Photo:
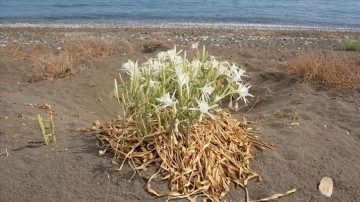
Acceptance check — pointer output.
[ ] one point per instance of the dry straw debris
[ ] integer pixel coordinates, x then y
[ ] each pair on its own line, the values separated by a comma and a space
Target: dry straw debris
219, 153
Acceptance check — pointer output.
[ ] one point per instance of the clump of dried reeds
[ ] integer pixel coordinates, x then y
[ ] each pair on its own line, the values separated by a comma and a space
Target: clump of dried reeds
335, 69
219, 153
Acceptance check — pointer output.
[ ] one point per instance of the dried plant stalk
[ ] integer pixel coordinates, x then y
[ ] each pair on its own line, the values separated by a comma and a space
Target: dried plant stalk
52, 128
219, 152
42, 130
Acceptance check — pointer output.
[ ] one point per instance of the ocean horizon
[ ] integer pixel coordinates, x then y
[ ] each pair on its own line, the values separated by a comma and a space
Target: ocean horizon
338, 14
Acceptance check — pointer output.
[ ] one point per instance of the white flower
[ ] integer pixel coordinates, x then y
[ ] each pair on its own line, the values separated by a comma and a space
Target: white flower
152, 83
162, 55
178, 70
166, 100
182, 78
243, 91
214, 63
218, 98
206, 91
195, 64
204, 108
236, 73
195, 68
154, 64
222, 69
171, 53
130, 68
195, 45
173, 56
177, 60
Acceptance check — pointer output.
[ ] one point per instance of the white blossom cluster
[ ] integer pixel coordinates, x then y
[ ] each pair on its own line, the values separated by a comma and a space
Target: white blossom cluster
170, 87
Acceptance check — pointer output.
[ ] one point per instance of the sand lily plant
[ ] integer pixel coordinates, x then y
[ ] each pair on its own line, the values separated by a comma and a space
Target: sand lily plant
176, 91
171, 120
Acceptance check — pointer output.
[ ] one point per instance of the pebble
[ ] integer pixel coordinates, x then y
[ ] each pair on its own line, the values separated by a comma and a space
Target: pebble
326, 186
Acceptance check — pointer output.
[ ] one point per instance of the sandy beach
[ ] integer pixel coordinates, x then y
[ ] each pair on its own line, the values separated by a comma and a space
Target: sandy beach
314, 129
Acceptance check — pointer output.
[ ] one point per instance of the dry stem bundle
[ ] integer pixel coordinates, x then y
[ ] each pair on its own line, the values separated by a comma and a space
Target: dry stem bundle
219, 152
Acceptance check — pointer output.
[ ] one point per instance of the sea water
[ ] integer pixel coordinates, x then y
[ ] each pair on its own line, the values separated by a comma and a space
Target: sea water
306, 13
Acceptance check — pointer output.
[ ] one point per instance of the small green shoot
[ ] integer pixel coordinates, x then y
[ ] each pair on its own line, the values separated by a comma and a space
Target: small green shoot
45, 137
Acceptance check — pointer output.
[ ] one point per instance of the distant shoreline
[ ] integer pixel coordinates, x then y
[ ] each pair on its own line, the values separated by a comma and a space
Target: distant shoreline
175, 25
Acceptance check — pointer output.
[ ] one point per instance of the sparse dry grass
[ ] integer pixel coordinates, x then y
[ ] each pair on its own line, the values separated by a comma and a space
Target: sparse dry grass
288, 113
151, 46
19, 52
334, 69
52, 66
73, 57
91, 48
